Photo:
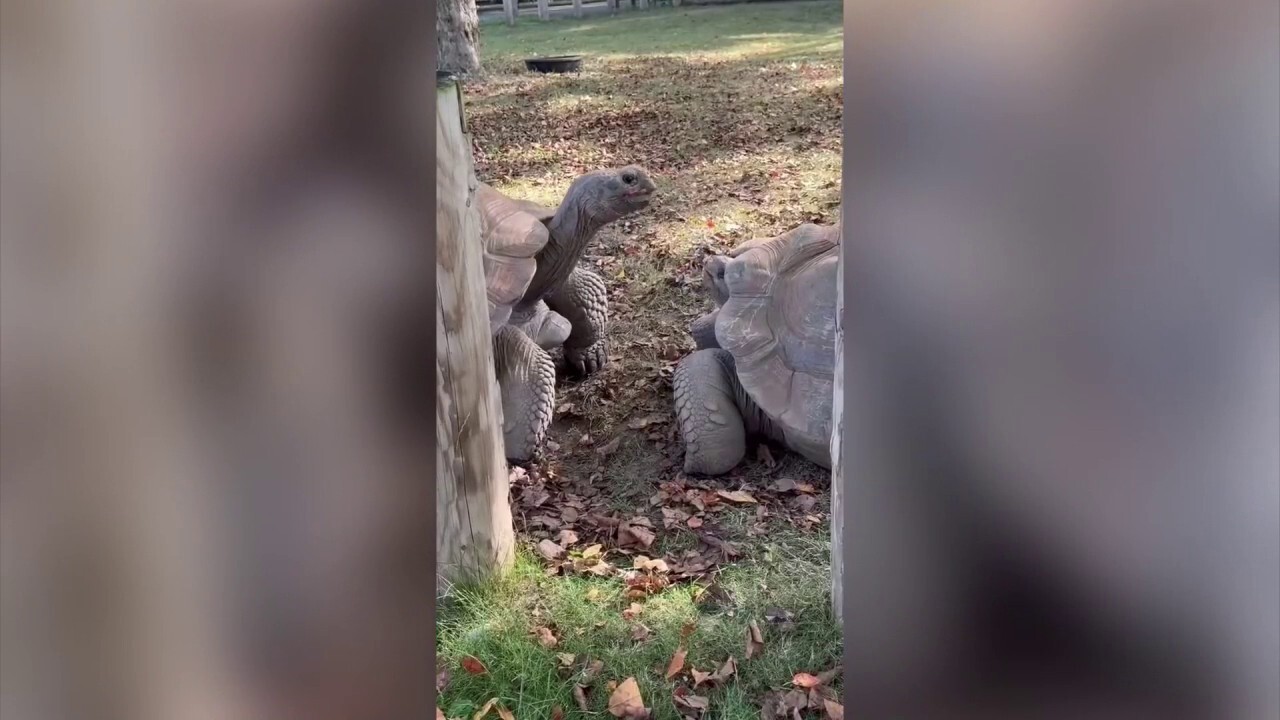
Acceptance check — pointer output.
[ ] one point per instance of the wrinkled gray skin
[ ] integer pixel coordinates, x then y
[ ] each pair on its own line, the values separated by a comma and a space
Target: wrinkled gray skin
766, 355
564, 306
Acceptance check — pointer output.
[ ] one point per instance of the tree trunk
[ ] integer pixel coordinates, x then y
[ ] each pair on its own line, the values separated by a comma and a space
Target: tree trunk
510, 8
837, 445
544, 10
474, 534
458, 36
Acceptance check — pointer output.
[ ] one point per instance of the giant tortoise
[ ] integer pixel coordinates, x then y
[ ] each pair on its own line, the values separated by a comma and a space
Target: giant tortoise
765, 361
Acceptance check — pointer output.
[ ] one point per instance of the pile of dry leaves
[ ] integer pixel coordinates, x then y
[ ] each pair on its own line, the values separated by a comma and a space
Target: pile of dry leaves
573, 528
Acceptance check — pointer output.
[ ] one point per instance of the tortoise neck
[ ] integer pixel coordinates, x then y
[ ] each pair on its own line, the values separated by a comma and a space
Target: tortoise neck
576, 221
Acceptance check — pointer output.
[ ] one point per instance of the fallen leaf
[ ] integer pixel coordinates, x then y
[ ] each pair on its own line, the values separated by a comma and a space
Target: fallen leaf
726, 671
700, 677
771, 707
580, 697
550, 550
819, 695
713, 595
687, 629
592, 551
835, 710
593, 594
632, 612
505, 714
695, 523
737, 496
826, 677
640, 562
805, 680
784, 485
546, 638
635, 535
796, 699
557, 713
473, 666
693, 702
640, 633
439, 713
644, 422
567, 538
485, 710
566, 659
677, 662
593, 669
608, 448
755, 641
625, 702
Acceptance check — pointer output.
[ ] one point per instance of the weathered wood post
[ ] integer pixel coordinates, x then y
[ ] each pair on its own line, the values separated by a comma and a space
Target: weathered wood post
510, 8
577, 8
474, 535
837, 446
544, 10
642, 4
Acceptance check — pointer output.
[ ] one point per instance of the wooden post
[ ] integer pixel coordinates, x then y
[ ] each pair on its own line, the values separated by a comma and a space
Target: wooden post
642, 4
510, 8
544, 10
837, 445
613, 6
474, 535
577, 8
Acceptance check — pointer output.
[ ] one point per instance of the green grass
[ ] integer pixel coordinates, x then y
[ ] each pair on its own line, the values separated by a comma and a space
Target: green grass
735, 111
774, 30
493, 624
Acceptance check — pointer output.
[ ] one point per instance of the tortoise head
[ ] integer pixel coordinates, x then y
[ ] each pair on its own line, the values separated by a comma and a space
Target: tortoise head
713, 281
607, 195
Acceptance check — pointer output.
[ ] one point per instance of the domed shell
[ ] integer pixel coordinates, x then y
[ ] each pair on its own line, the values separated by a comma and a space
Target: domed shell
779, 323
513, 233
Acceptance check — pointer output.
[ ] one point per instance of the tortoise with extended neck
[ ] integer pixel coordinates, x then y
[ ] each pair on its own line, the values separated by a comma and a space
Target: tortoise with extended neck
765, 362
540, 298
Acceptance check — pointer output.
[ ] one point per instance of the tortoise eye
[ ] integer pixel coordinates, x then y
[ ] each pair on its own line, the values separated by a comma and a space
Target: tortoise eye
629, 178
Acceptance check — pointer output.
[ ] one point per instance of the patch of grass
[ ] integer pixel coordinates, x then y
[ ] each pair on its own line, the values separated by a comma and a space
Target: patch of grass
494, 623
776, 30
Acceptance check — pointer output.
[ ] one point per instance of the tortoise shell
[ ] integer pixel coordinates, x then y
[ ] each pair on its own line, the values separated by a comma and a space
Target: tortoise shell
779, 323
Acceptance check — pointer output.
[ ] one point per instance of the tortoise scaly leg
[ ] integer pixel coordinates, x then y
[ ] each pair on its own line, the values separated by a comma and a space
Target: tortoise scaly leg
545, 327
583, 300
710, 422
703, 331
527, 380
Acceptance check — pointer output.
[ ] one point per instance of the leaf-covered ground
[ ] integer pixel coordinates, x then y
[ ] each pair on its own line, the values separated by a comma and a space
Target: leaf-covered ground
735, 111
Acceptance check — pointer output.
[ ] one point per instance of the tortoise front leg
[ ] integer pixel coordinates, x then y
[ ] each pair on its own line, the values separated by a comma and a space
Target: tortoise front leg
527, 381
703, 331
584, 301
711, 424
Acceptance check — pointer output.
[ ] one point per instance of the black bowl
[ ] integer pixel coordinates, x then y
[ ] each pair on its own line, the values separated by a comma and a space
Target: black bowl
554, 64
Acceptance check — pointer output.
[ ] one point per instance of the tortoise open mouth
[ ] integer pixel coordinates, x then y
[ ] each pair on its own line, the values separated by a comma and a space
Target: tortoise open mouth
639, 195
